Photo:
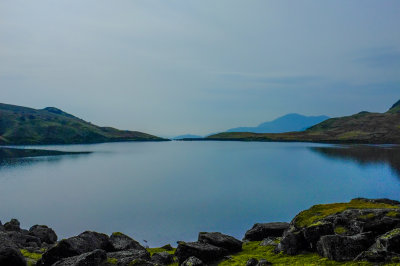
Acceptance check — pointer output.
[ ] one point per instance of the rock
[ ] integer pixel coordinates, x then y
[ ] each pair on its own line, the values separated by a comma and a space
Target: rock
43, 232
94, 258
389, 241
376, 256
252, 262
193, 261
12, 225
229, 243
292, 243
167, 247
126, 256
19, 240
140, 262
312, 234
271, 241
343, 248
123, 242
384, 200
264, 262
163, 258
86, 242
260, 231
11, 257
203, 251
1, 227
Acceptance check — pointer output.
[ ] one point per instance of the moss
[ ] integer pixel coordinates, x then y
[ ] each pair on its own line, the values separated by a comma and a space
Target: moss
112, 260
367, 216
254, 250
319, 212
117, 234
157, 250
391, 234
31, 255
340, 230
392, 214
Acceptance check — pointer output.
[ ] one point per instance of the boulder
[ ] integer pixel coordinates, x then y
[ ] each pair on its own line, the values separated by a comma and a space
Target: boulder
271, 241
389, 241
19, 240
126, 256
260, 231
344, 248
43, 232
193, 261
94, 258
12, 225
162, 258
229, 243
252, 262
264, 262
1, 227
11, 257
312, 234
167, 247
292, 243
203, 251
86, 242
120, 242
140, 262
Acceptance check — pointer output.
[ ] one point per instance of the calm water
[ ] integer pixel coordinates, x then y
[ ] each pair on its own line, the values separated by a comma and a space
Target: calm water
164, 192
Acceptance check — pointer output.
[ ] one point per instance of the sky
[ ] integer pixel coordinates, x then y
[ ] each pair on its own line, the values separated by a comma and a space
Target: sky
176, 67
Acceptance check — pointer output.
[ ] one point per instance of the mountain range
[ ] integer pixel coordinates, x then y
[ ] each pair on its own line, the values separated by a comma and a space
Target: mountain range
286, 123
24, 126
363, 127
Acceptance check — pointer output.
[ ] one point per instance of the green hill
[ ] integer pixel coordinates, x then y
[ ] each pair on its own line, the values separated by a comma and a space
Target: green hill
364, 127
22, 125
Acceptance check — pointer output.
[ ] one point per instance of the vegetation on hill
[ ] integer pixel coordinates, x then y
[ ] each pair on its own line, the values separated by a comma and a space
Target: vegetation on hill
24, 126
364, 127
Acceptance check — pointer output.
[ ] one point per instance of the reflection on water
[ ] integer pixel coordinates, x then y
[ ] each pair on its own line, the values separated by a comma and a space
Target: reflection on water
169, 191
364, 154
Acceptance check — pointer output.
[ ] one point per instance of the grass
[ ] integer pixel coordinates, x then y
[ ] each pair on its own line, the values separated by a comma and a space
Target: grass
254, 250
367, 216
157, 250
391, 234
112, 260
31, 255
319, 212
392, 214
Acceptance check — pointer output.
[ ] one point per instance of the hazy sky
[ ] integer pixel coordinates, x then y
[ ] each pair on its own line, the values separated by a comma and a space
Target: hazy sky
173, 67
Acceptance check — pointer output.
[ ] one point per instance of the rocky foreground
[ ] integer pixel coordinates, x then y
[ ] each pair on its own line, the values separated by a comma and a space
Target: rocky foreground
362, 232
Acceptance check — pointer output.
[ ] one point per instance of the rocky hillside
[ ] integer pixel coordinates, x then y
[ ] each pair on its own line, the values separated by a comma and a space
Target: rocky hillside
360, 232
22, 125
364, 127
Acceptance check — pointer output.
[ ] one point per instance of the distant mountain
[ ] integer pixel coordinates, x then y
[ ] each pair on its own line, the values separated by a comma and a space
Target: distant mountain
364, 127
187, 136
23, 125
286, 123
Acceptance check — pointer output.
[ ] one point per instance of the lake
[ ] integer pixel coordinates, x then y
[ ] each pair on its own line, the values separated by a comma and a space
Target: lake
162, 192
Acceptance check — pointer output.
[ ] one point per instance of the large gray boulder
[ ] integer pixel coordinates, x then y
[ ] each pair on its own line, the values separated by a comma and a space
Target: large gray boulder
162, 258
260, 231
43, 232
344, 248
11, 257
94, 258
12, 225
203, 251
19, 240
193, 261
125, 257
229, 243
86, 242
123, 242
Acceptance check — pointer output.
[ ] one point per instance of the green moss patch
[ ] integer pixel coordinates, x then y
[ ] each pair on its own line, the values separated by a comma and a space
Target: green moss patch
391, 234
254, 250
367, 216
112, 260
319, 212
340, 230
157, 250
31, 255
392, 214
117, 234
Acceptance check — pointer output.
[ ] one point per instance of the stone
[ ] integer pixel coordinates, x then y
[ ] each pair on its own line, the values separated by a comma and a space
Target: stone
312, 234
271, 241
121, 241
260, 231
124, 257
94, 258
19, 240
252, 262
12, 225
140, 262
167, 247
11, 257
229, 243
264, 262
292, 243
85, 242
163, 258
203, 251
193, 261
389, 241
344, 248
43, 232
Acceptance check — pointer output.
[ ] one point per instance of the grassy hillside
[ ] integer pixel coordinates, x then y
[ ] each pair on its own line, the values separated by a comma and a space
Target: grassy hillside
22, 125
363, 127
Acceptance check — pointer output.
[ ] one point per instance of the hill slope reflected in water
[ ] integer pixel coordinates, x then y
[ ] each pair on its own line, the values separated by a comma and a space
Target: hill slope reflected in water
364, 154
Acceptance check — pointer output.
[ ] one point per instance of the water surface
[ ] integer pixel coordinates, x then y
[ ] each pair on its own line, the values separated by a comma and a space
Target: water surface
167, 191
